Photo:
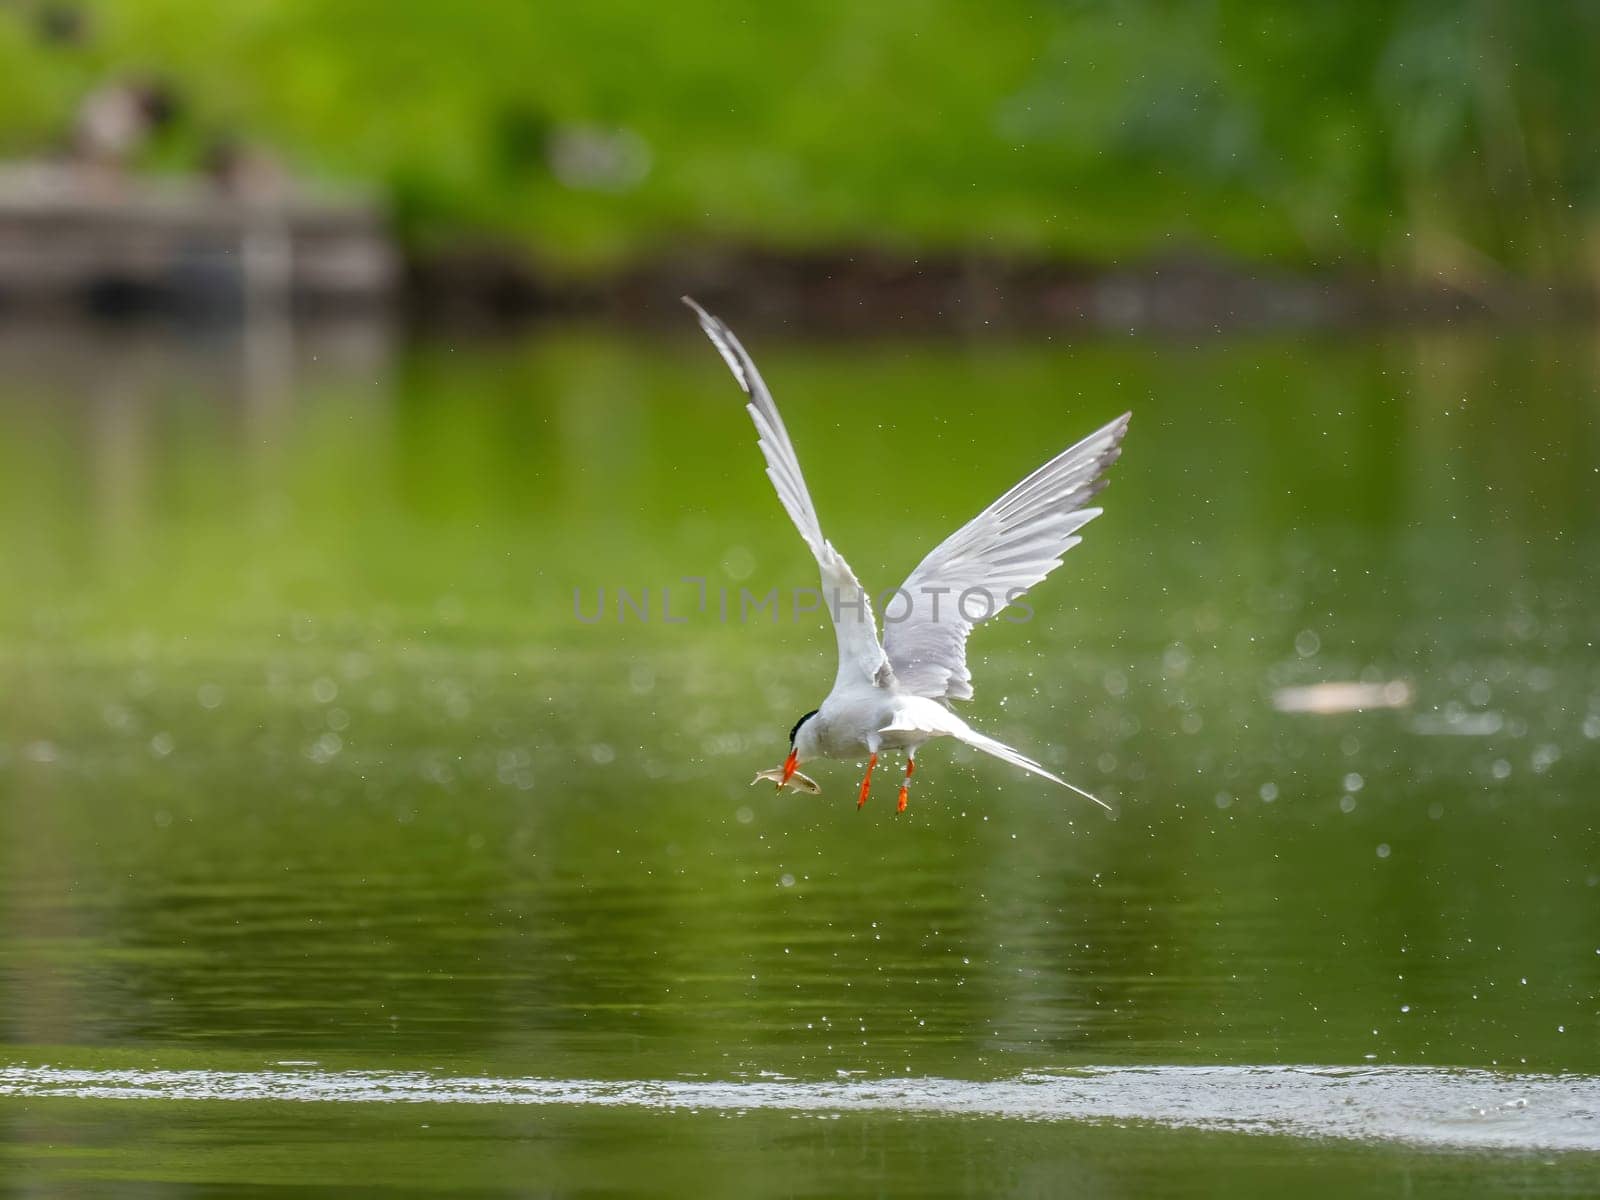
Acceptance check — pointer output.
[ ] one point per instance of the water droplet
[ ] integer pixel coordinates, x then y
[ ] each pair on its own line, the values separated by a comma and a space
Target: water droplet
325, 748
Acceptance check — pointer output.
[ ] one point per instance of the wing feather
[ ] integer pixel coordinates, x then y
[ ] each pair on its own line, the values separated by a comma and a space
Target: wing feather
860, 654
1003, 551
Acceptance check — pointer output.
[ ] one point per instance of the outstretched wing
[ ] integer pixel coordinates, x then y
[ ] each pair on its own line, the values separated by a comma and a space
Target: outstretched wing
1003, 551
861, 658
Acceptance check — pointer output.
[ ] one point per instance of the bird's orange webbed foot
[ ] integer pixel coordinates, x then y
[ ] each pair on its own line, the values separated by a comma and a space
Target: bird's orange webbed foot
866, 781
911, 765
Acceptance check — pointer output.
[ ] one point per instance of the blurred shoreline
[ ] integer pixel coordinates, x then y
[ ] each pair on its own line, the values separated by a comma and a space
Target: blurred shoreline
840, 293
80, 241
870, 291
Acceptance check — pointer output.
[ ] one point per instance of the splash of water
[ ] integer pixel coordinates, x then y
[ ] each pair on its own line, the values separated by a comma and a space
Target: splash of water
1416, 1105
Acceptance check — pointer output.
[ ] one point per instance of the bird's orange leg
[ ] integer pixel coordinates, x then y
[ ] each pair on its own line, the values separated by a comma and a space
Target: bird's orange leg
866, 780
911, 765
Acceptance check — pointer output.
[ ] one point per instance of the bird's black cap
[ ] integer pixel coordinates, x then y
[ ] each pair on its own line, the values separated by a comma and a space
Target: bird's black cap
799, 723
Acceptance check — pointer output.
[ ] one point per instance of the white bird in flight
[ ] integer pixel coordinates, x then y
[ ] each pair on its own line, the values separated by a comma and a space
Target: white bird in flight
895, 695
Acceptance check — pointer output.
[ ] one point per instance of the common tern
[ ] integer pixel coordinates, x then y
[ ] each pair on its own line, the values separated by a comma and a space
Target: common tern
897, 694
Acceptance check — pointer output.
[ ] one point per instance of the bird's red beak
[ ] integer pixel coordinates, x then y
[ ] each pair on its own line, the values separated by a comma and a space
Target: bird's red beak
789, 765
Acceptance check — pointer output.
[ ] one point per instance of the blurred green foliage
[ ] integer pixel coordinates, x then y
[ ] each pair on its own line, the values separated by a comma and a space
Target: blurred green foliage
1426, 136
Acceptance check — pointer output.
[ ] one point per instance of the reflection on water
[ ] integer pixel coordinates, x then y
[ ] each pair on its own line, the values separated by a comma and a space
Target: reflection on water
304, 755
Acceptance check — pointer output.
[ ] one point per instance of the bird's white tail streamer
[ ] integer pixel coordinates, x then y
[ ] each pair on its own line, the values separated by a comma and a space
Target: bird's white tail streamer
1017, 758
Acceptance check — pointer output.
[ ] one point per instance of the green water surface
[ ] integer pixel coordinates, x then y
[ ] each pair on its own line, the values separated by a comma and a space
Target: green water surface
306, 756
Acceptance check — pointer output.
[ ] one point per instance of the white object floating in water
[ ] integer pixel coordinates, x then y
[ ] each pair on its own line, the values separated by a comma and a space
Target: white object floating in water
1346, 696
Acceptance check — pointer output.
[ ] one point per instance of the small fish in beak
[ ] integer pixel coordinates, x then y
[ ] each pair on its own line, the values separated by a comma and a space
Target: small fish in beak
799, 782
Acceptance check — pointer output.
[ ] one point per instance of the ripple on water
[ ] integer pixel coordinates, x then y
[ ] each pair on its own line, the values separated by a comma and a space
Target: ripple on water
1415, 1105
